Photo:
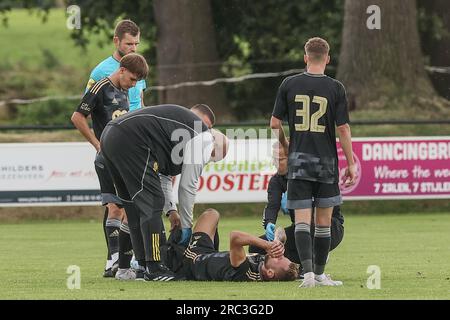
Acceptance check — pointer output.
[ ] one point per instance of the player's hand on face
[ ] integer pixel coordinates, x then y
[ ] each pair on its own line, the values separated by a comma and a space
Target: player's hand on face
174, 219
350, 175
276, 249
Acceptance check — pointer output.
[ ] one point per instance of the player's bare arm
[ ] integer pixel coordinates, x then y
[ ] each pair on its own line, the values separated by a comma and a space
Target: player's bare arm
277, 127
239, 239
345, 138
174, 219
169, 204
80, 122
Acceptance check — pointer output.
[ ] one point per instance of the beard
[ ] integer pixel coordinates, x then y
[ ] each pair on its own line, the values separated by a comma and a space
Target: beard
121, 53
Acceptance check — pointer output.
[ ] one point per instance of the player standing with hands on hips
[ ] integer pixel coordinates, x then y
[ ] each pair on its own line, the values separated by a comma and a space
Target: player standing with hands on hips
314, 105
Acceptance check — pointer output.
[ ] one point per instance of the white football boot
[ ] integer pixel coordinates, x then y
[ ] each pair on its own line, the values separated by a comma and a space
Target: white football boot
308, 280
125, 274
325, 280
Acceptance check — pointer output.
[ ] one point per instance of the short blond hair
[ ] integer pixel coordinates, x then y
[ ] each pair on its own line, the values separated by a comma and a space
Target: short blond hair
291, 274
317, 49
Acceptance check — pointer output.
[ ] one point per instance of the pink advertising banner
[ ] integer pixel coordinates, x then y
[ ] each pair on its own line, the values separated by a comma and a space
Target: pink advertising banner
399, 168
388, 168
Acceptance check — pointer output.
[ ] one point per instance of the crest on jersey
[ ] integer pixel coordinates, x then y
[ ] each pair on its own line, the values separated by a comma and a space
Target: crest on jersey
90, 83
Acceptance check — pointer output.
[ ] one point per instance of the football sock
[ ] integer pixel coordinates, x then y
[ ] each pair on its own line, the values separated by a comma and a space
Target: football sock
134, 224
304, 246
151, 230
112, 230
322, 240
125, 247
108, 265
216, 240
105, 217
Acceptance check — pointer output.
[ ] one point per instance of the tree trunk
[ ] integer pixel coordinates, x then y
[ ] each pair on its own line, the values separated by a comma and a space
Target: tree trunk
60, 3
186, 51
383, 68
439, 49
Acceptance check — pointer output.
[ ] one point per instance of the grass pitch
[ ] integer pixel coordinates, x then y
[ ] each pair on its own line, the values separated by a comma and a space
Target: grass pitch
412, 251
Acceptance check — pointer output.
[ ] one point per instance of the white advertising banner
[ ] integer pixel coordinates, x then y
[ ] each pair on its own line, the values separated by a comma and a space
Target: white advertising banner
243, 176
388, 168
64, 174
47, 173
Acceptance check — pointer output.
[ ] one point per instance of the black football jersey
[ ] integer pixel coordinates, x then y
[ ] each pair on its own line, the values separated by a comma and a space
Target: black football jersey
313, 105
104, 102
218, 268
165, 129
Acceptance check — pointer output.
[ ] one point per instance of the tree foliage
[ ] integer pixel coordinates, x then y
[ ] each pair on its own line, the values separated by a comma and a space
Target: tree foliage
251, 37
101, 17
268, 36
434, 29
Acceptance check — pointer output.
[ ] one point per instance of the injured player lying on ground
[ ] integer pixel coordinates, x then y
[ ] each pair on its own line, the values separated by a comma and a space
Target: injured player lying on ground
202, 261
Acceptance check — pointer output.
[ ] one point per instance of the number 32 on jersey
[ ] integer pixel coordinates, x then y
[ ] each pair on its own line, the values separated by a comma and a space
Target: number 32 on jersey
310, 122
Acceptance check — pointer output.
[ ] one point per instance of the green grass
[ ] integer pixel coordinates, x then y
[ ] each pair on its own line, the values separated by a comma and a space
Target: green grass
28, 39
40, 59
411, 250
